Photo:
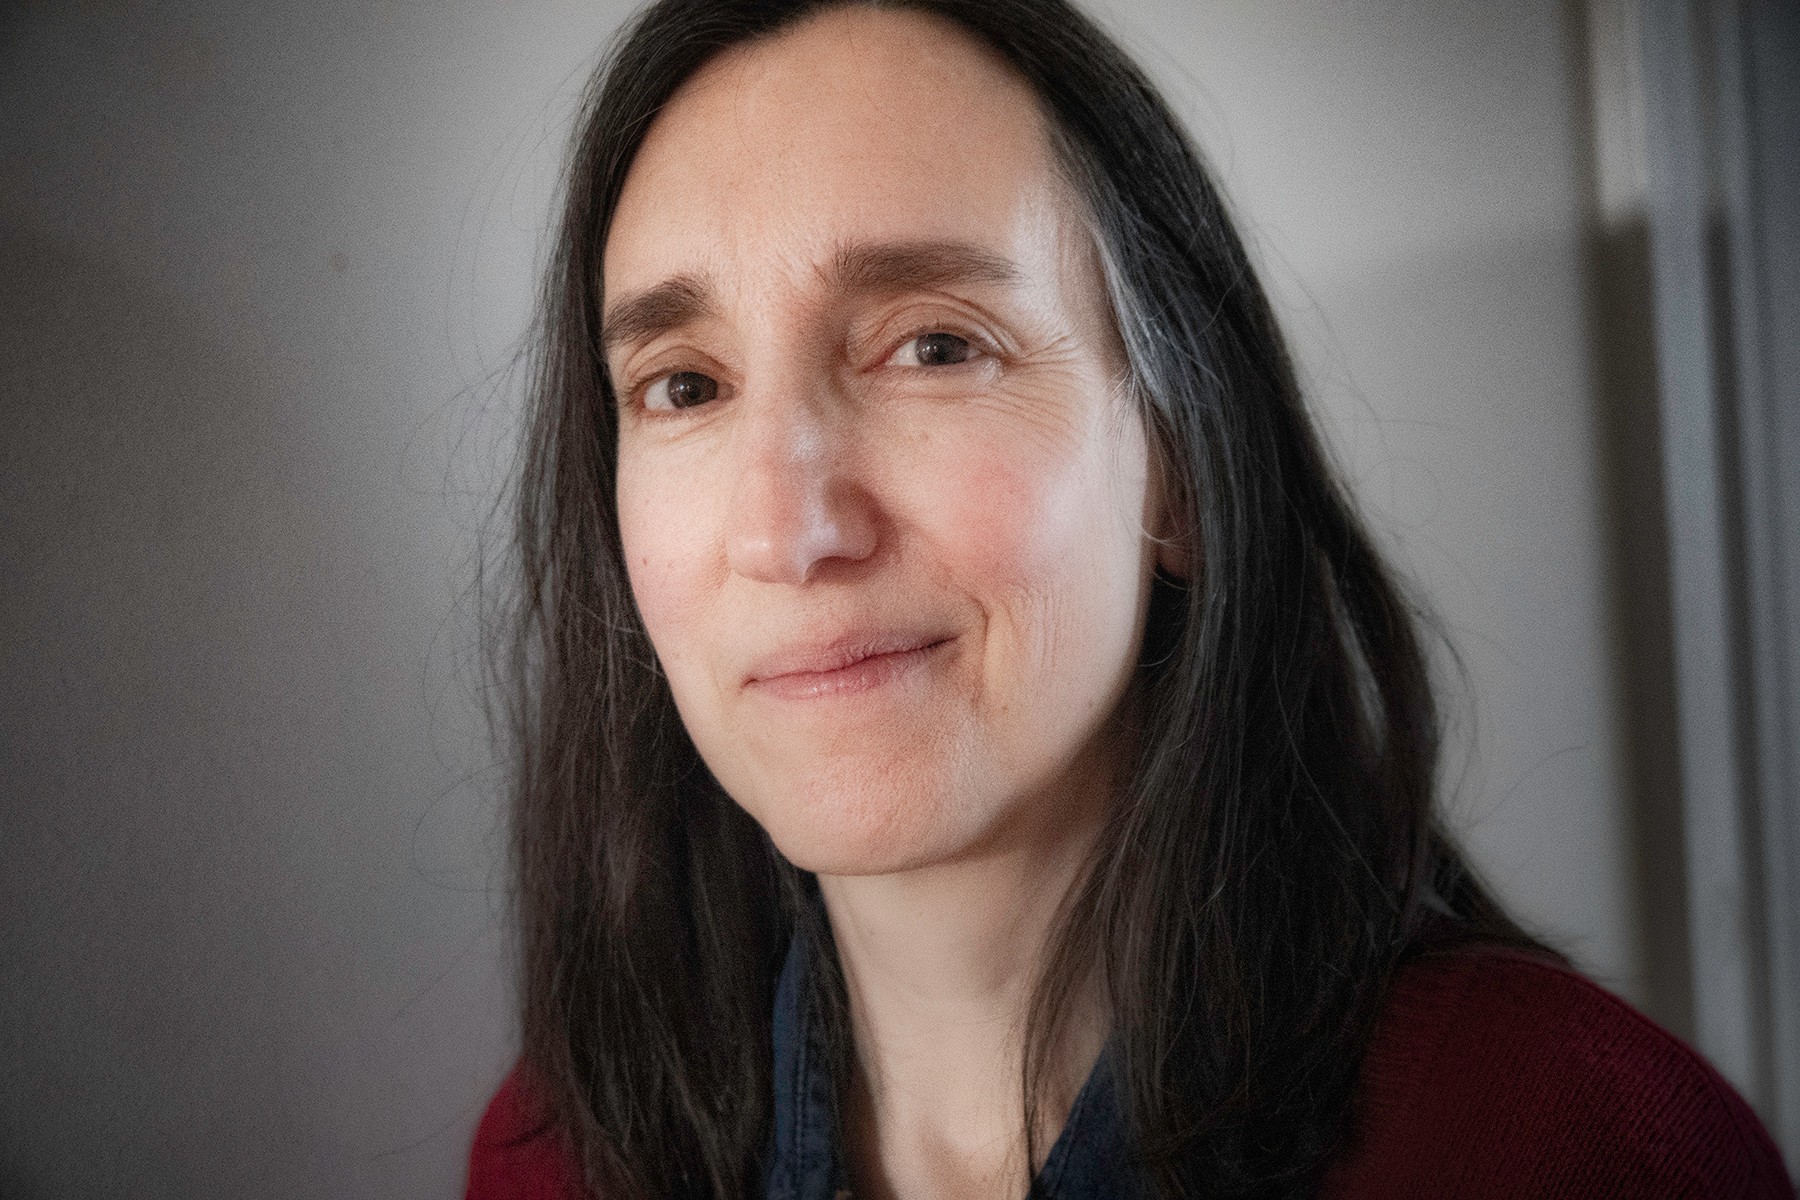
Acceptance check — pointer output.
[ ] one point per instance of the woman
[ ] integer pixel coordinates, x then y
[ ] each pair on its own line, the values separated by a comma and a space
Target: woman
969, 745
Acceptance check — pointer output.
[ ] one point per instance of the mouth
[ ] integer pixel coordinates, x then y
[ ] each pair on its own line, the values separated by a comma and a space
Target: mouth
842, 668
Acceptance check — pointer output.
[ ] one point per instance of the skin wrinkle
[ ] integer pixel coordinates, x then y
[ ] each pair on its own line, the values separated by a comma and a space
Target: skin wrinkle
634, 322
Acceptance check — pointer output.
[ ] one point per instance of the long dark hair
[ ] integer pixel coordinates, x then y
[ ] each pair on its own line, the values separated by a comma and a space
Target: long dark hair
1273, 856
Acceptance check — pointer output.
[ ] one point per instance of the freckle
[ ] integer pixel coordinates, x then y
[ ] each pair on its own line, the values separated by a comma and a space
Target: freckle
339, 262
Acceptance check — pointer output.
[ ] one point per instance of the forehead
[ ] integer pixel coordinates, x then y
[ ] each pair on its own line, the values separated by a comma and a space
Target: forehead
856, 126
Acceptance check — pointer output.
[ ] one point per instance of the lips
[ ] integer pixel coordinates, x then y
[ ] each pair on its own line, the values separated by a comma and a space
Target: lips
843, 666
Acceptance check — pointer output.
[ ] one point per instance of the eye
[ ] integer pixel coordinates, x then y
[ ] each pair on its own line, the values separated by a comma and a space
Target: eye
682, 389
933, 350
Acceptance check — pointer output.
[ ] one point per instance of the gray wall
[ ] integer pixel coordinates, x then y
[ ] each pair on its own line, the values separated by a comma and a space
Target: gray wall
261, 270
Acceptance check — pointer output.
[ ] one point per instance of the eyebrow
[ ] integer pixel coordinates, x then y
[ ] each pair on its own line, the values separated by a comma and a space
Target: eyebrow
676, 301
911, 266
856, 267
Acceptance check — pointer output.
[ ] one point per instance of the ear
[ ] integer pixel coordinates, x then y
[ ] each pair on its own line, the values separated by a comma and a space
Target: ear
1167, 528
1172, 559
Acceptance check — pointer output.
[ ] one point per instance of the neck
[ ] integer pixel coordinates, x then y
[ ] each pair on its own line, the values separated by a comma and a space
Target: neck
940, 964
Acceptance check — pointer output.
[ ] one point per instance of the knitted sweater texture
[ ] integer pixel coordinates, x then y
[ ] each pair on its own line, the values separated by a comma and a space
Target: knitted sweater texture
1491, 1074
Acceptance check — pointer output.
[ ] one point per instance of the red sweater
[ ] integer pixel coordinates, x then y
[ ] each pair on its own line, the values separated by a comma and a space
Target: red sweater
1491, 1074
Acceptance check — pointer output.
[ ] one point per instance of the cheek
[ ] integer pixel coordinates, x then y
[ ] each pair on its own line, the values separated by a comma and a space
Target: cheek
1050, 538
661, 535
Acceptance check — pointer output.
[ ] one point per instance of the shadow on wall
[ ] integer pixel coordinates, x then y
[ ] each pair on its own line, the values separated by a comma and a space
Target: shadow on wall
1621, 324
216, 925
131, 447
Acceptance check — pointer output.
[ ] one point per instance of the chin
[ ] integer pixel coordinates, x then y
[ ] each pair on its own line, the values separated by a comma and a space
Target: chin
862, 820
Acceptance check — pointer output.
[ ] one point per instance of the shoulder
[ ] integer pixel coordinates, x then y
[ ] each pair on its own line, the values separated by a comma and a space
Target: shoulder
518, 1153
1499, 1073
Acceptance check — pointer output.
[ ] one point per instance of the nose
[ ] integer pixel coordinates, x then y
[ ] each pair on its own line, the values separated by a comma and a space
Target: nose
798, 503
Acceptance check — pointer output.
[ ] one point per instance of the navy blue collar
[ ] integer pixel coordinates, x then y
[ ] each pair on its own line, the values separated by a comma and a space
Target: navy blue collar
1088, 1161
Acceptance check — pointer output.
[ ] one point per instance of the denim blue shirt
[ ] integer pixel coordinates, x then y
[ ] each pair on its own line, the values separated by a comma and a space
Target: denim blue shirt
1087, 1162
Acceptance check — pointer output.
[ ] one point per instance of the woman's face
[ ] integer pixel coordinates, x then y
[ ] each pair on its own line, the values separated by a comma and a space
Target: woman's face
885, 508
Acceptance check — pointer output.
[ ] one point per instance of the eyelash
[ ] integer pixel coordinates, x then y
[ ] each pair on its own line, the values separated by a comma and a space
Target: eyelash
979, 348
668, 377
